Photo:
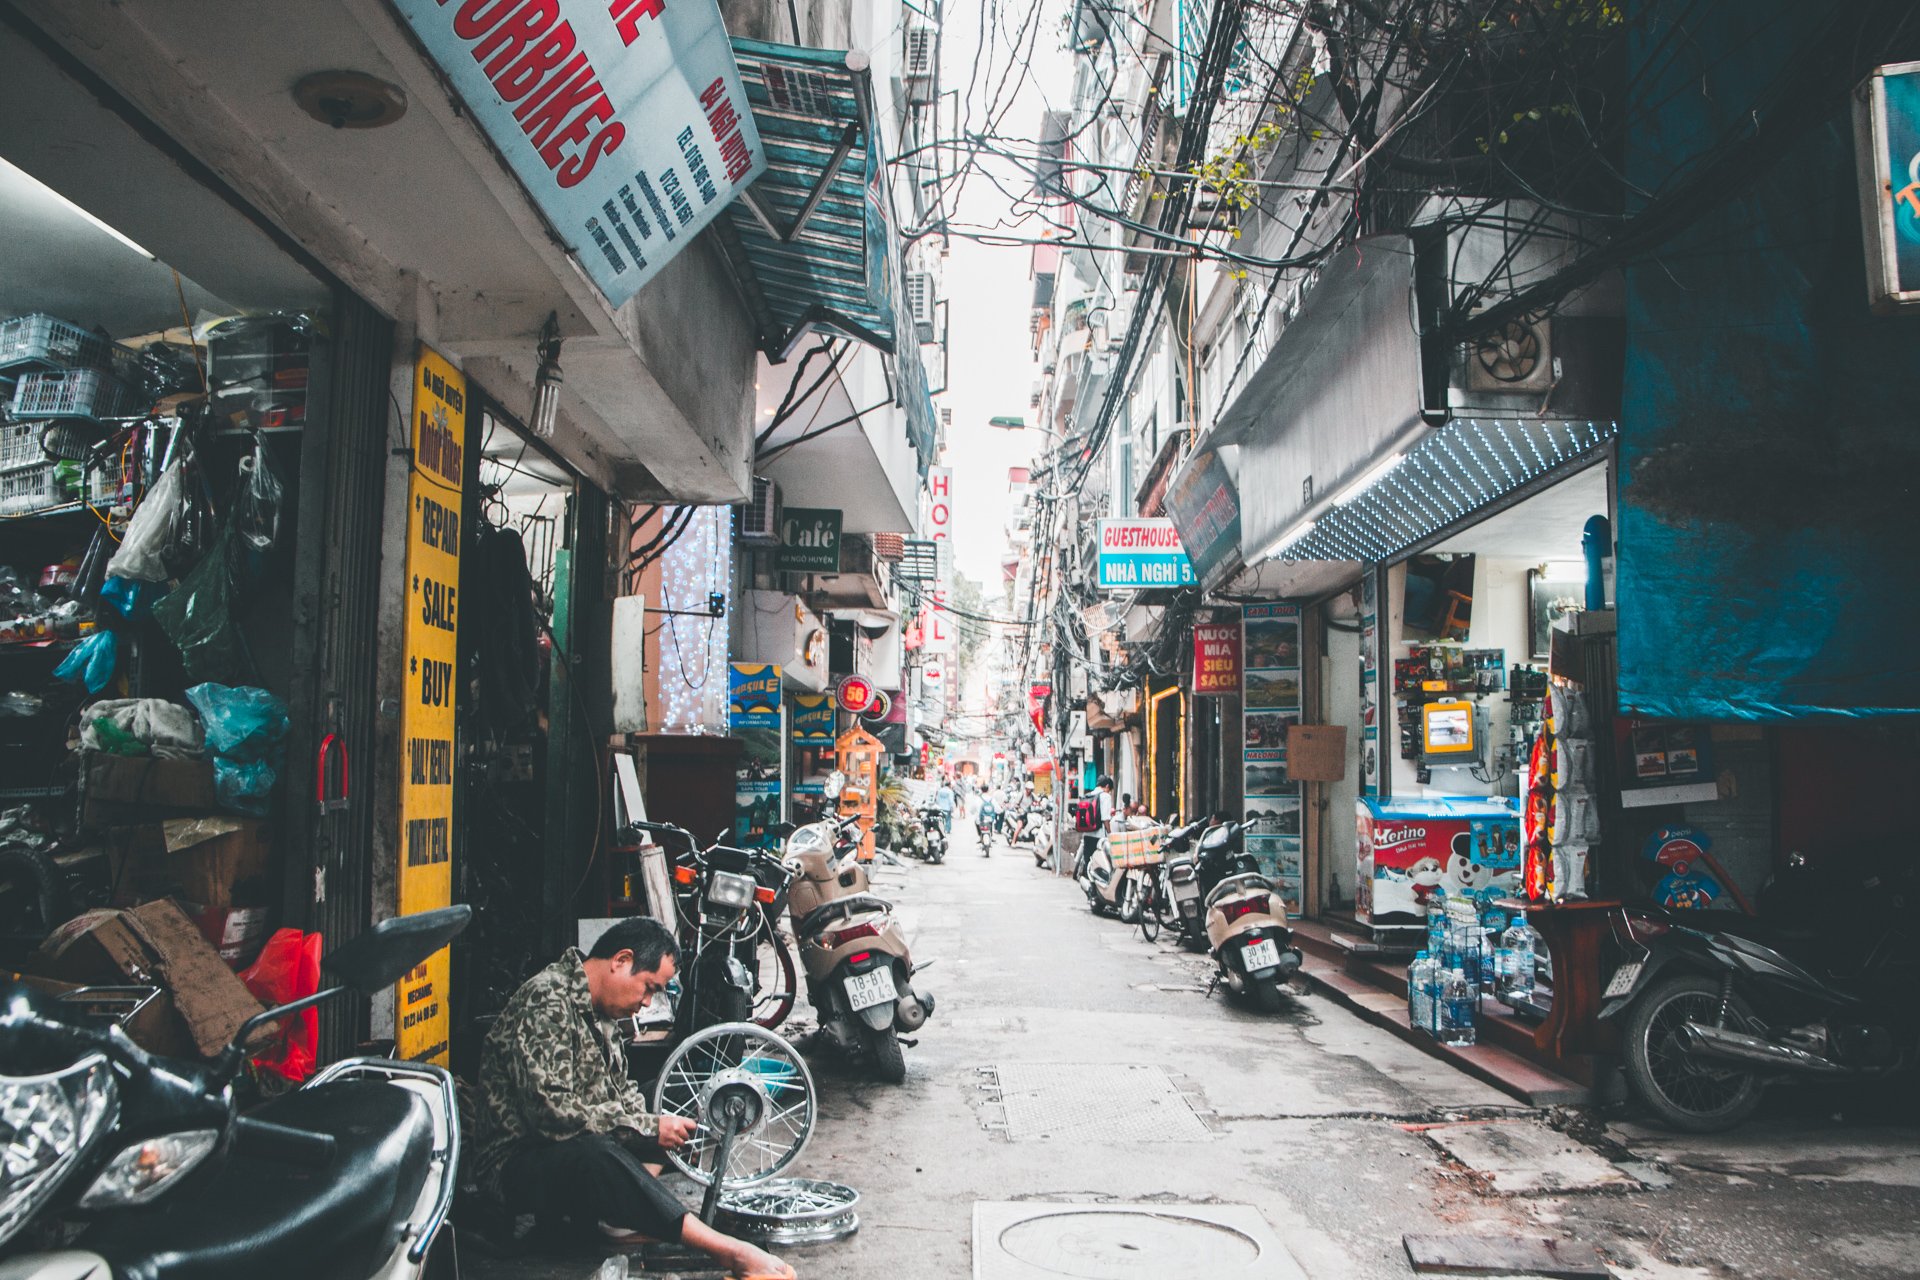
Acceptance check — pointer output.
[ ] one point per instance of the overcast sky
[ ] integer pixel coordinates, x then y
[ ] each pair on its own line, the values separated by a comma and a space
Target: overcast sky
989, 289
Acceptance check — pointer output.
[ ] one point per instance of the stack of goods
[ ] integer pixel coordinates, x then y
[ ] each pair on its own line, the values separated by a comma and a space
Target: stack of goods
62, 379
258, 371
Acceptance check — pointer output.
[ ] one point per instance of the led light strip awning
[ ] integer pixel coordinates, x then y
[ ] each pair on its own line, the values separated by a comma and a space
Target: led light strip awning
1452, 473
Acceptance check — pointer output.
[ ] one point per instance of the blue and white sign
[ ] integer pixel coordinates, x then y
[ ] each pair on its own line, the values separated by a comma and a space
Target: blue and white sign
626, 122
1142, 553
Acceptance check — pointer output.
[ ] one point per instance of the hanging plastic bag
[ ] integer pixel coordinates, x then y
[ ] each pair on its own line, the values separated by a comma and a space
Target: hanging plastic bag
197, 616
256, 506
241, 723
133, 599
92, 661
151, 530
288, 969
244, 786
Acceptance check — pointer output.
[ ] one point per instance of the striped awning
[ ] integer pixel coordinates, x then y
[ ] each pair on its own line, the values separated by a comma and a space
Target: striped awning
1455, 471
810, 238
812, 242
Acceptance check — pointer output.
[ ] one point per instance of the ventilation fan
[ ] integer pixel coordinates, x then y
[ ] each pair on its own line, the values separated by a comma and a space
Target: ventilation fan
1517, 357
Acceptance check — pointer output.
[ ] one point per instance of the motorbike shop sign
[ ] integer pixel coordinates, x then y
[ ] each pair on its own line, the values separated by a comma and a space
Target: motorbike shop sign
626, 122
430, 635
1216, 659
1142, 553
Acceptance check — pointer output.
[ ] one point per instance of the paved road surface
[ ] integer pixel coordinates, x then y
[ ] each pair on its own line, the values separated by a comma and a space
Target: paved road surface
1321, 1123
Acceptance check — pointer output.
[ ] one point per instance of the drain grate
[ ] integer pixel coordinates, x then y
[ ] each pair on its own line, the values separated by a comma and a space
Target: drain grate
1031, 1240
1094, 1102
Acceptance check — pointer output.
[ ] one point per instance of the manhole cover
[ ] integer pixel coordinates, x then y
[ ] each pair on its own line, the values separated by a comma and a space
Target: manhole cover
1094, 1102
1029, 1241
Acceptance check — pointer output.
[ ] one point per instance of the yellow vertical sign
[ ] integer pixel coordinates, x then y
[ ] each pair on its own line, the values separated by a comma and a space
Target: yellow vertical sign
431, 636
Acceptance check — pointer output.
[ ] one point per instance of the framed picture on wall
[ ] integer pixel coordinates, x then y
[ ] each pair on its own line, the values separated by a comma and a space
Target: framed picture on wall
1550, 598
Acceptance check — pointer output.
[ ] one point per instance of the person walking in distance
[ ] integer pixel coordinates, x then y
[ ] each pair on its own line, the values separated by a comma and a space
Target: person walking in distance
943, 801
1102, 798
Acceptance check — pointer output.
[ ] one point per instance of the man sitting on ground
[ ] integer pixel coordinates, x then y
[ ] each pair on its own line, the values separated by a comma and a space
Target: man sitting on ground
562, 1133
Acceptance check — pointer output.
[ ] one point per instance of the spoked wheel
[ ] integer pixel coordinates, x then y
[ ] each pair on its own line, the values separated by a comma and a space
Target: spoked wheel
745, 1064
1130, 901
1693, 1094
1150, 914
1164, 905
775, 984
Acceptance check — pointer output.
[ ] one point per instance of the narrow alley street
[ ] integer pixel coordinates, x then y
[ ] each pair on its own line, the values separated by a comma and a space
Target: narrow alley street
1332, 1131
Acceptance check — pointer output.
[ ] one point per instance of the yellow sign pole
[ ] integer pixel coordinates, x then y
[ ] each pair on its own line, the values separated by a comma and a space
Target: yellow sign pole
435, 492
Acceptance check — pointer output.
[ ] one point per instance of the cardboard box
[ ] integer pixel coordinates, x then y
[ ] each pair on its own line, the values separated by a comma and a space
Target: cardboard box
154, 944
216, 863
1316, 752
124, 789
219, 869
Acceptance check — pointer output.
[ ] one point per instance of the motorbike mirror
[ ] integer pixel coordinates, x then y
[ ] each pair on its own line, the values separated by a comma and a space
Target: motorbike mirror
382, 955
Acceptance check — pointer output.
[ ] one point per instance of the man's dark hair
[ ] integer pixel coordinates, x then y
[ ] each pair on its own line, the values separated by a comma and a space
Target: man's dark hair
648, 939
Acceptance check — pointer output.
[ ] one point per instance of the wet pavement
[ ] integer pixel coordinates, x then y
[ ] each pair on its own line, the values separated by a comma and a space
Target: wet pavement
1071, 1063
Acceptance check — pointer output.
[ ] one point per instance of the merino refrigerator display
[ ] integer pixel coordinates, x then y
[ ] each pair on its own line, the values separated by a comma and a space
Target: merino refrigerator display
1411, 850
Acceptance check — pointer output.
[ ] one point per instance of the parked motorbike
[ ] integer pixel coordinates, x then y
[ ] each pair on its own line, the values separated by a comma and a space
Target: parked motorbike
728, 900
1116, 890
1715, 1005
937, 837
1180, 894
859, 971
1029, 829
1248, 938
358, 1167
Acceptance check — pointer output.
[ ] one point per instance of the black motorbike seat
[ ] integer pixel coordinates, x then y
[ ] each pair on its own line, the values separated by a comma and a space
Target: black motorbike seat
257, 1217
820, 916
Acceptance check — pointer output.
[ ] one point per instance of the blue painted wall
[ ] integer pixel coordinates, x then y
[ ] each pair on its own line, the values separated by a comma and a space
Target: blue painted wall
1770, 432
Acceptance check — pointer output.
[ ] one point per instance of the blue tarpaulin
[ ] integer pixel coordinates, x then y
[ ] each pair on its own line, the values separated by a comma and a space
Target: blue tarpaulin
1771, 424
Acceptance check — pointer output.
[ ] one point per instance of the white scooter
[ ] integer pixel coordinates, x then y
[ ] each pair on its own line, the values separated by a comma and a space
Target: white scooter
350, 1176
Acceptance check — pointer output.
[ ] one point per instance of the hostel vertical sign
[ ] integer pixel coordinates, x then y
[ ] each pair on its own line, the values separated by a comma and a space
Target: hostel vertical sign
430, 637
937, 626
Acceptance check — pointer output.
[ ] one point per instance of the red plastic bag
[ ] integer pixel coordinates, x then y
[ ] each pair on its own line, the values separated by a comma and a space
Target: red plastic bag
288, 969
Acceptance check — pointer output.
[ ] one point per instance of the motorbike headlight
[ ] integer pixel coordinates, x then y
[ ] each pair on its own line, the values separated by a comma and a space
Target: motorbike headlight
727, 889
45, 1123
145, 1169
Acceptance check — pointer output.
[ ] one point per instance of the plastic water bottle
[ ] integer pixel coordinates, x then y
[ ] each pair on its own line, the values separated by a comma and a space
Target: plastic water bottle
1494, 955
1517, 977
1436, 923
1420, 992
1459, 1008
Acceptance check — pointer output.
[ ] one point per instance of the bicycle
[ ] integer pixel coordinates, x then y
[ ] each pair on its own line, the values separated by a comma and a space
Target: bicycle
1158, 909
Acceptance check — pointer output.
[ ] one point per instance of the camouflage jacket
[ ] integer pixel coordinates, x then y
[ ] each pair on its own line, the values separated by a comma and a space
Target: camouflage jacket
551, 1069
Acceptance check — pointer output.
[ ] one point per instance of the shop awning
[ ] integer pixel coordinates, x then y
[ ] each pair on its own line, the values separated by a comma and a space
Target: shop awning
1457, 470
812, 241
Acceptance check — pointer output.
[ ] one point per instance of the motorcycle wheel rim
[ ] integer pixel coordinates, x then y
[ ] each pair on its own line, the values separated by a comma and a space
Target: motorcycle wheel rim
1698, 1087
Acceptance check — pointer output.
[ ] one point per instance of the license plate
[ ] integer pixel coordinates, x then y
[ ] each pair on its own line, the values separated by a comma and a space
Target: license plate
1623, 979
864, 990
1264, 954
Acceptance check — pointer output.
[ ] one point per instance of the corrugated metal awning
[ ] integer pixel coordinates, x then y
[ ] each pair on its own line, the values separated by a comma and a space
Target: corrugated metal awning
812, 241
802, 236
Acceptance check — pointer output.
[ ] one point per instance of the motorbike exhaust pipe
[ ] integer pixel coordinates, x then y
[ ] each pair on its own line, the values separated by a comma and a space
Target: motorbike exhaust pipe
1751, 1051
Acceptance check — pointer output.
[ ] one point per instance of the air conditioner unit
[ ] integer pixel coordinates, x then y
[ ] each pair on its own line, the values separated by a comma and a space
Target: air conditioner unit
920, 290
1517, 358
922, 64
758, 523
